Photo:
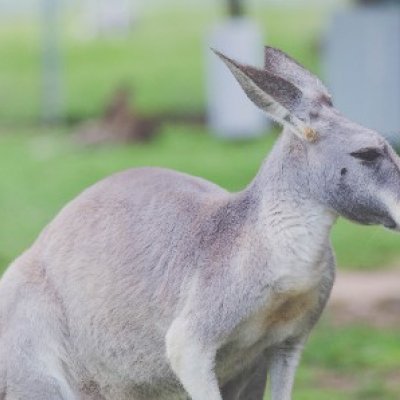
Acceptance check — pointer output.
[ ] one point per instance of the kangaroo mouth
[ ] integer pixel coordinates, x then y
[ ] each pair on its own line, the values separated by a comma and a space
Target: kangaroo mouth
392, 216
391, 225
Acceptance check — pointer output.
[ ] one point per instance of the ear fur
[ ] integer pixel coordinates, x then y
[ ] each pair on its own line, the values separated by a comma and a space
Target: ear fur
276, 96
279, 63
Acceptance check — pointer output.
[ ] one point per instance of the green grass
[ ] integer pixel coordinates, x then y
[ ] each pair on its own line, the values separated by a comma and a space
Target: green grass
162, 60
349, 363
352, 363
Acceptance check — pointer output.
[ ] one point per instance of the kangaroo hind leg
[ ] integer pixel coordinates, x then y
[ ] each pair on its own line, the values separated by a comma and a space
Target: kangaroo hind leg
37, 378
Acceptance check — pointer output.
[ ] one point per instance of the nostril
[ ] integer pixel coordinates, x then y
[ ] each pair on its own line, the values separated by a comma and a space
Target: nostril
343, 171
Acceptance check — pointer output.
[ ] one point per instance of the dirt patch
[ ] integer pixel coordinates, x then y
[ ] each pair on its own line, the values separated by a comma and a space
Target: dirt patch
325, 379
392, 380
356, 381
367, 297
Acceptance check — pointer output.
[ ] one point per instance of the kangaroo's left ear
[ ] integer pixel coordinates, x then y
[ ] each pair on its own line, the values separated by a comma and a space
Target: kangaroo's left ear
279, 97
279, 63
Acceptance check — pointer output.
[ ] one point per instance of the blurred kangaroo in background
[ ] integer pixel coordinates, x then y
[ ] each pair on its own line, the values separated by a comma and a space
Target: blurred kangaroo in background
156, 285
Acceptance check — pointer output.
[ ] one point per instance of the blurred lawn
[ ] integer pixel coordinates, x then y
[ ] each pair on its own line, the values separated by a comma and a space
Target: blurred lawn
163, 61
40, 169
352, 363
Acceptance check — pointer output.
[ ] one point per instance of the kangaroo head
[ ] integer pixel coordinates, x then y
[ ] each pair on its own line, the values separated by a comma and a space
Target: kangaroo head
348, 168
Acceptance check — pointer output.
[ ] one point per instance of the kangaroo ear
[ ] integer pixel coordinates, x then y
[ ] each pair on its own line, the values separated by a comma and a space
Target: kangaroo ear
278, 97
280, 64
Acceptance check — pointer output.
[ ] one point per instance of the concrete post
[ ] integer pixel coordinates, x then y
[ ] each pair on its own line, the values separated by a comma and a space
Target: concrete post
230, 112
362, 65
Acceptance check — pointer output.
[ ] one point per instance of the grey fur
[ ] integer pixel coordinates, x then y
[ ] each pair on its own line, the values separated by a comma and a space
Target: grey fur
280, 64
278, 89
153, 284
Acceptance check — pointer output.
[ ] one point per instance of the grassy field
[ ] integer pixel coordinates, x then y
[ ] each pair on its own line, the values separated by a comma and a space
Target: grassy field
163, 60
41, 169
351, 363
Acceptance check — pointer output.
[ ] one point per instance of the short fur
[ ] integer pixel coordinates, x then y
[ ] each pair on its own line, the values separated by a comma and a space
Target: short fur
154, 284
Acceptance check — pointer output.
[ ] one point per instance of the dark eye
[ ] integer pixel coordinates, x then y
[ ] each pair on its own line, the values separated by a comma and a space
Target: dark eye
367, 154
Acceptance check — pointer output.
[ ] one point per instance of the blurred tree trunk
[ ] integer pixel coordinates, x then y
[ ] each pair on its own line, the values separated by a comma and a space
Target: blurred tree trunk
235, 8
375, 2
52, 108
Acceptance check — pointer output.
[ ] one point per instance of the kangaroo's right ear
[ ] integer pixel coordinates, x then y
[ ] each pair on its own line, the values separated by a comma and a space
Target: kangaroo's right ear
279, 98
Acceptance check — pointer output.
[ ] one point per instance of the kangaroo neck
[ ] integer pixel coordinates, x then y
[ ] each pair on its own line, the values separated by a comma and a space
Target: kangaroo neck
285, 208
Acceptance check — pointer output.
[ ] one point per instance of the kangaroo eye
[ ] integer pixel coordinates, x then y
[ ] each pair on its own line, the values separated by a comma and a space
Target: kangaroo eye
367, 154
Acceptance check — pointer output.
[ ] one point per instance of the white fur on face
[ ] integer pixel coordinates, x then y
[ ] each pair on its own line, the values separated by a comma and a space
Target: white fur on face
393, 207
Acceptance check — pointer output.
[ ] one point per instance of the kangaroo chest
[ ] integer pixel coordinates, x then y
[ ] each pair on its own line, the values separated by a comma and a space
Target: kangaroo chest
292, 296
283, 316
290, 304
286, 315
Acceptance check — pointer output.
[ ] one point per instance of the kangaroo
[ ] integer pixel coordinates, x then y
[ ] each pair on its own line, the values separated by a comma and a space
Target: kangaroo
156, 285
